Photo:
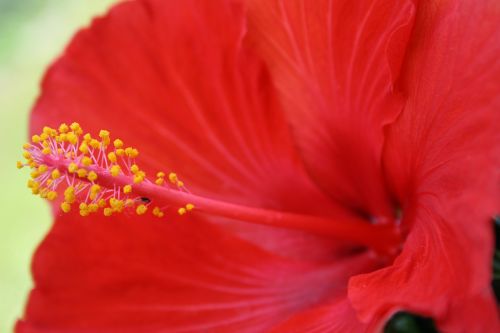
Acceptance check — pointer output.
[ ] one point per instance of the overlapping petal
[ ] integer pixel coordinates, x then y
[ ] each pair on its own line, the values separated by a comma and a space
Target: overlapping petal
440, 162
129, 275
335, 64
173, 79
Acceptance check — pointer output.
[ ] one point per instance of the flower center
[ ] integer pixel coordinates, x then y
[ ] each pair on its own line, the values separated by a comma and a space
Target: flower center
99, 175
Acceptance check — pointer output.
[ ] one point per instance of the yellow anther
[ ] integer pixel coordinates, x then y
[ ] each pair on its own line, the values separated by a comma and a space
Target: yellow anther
71, 138
52, 195
173, 178
134, 153
59, 151
81, 172
46, 151
87, 137
101, 203
35, 139
84, 148
61, 137
49, 131
86, 161
157, 212
160, 174
131, 152
19, 164
180, 183
120, 152
95, 188
115, 170
134, 168
92, 176
93, 207
72, 167
118, 143
42, 168
139, 177
112, 157
103, 134
108, 211
45, 143
159, 181
34, 174
75, 127
95, 144
63, 128
65, 207
189, 207
35, 185
26, 155
26, 146
84, 209
69, 194
43, 193
116, 204
49, 182
44, 136
55, 174
141, 209
181, 211
127, 189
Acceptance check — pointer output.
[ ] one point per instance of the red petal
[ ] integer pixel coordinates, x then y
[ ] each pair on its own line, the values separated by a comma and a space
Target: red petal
334, 317
439, 157
172, 79
125, 275
481, 311
334, 63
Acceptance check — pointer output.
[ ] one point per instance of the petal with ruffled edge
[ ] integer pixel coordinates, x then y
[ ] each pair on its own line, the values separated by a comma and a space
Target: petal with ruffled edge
120, 274
335, 63
441, 165
173, 79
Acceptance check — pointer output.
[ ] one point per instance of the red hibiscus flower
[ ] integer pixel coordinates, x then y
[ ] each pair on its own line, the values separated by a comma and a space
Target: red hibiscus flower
340, 158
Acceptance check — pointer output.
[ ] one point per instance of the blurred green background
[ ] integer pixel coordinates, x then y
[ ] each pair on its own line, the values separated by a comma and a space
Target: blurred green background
32, 34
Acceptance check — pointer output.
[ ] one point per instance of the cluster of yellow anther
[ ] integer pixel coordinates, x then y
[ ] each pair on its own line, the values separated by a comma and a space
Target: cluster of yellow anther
65, 162
183, 210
